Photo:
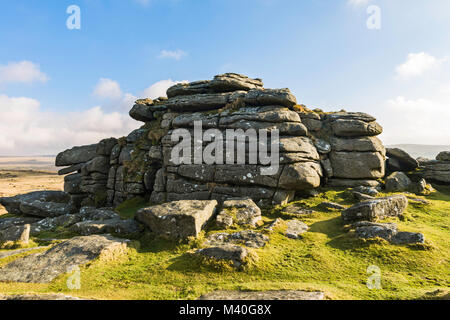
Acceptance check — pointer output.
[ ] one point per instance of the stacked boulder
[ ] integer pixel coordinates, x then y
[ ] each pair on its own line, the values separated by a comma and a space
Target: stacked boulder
235, 102
350, 152
437, 170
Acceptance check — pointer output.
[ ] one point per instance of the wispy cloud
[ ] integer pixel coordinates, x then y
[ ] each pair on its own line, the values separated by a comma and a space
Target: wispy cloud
21, 72
176, 54
159, 88
417, 64
356, 3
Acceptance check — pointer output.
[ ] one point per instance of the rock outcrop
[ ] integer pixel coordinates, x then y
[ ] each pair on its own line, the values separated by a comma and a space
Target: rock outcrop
338, 149
438, 170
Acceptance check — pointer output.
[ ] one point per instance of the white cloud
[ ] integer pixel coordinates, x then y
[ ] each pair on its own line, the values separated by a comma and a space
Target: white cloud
167, 54
417, 64
419, 121
28, 130
159, 88
357, 3
21, 72
108, 89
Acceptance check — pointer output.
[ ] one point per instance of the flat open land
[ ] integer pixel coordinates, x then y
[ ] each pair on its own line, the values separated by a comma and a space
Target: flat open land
25, 174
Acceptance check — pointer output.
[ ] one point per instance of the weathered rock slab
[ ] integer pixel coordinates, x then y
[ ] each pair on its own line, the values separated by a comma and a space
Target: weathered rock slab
378, 208
178, 220
264, 295
46, 266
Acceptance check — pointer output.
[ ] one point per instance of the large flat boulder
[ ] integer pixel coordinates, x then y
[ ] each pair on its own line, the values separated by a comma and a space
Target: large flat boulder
76, 155
178, 220
46, 266
12, 204
221, 83
46, 209
375, 209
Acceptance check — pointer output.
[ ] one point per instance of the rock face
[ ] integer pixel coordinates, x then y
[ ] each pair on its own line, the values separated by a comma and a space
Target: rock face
377, 208
44, 267
356, 156
178, 220
338, 149
443, 156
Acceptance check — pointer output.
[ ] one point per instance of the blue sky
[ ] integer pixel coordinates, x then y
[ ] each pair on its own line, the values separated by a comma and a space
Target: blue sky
60, 87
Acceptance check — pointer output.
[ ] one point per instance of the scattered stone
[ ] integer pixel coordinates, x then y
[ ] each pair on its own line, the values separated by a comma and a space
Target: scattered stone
248, 238
397, 182
264, 295
387, 231
178, 219
295, 229
296, 210
115, 226
16, 234
332, 206
370, 230
46, 266
275, 224
378, 208
351, 183
408, 238
235, 254
242, 211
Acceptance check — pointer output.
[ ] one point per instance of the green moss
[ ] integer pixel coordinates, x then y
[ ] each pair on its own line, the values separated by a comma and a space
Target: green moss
128, 208
100, 199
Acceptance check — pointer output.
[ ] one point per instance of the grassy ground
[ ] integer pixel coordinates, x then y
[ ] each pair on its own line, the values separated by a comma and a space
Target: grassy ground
328, 258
